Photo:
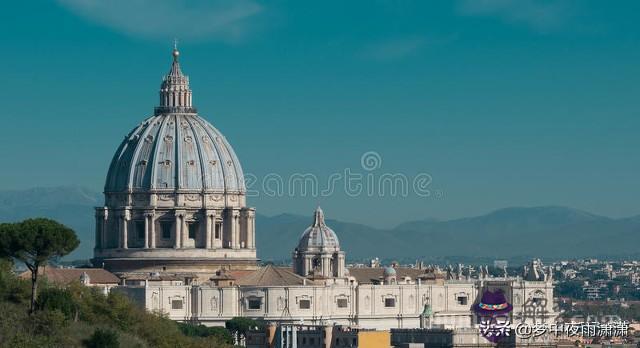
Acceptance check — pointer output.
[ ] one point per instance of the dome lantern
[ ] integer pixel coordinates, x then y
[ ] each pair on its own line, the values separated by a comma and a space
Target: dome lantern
175, 94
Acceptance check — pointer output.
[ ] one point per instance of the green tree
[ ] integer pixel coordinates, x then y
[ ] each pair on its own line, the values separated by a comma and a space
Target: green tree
239, 326
35, 242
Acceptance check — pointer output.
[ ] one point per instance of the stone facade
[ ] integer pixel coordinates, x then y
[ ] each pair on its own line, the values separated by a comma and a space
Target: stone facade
365, 305
372, 298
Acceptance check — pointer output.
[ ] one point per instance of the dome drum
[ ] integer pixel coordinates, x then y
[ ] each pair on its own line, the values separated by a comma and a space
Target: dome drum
170, 200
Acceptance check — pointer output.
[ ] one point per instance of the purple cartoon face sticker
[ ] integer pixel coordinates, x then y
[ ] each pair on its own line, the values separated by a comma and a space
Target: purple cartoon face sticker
493, 315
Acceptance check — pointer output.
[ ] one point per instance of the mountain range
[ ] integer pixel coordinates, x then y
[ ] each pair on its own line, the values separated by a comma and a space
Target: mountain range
516, 233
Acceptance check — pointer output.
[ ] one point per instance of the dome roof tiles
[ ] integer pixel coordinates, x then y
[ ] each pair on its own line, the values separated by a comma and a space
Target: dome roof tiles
175, 152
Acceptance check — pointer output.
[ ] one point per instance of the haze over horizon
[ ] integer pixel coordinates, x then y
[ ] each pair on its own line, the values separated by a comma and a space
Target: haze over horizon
552, 227
502, 104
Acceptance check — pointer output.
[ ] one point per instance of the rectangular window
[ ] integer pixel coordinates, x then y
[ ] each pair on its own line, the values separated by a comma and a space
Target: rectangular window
193, 228
305, 304
166, 226
462, 300
176, 304
390, 302
218, 228
343, 303
254, 303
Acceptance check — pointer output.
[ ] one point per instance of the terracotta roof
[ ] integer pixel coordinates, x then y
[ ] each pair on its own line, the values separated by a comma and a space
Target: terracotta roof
65, 276
237, 274
368, 275
273, 276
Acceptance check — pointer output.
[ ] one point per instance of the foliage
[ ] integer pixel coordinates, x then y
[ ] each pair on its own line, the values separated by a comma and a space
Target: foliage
43, 329
239, 326
205, 331
103, 338
12, 289
70, 316
570, 288
57, 299
35, 242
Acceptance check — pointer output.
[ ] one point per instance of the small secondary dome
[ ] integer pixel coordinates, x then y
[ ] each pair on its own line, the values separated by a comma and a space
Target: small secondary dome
389, 271
318, 235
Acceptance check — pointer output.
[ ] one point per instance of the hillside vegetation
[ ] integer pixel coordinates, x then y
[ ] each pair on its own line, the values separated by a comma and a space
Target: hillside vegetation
79, 316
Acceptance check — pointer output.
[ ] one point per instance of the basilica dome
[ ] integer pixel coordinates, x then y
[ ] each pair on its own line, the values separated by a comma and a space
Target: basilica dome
175, 198
175, 152
318, 235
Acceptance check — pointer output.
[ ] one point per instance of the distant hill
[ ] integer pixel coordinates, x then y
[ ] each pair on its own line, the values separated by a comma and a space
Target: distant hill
511, 233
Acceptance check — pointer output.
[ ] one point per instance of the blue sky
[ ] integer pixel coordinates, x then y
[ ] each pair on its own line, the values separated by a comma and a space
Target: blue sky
503, 103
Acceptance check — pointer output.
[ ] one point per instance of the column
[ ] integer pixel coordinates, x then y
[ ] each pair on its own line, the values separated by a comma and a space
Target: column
236, 223
251, 230
125, 232
178, 237
209, 224
146, 230
184, 231
233, 233
152, 230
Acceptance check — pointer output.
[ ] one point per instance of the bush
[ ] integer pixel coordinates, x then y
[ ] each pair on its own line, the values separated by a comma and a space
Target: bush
103, 338
57, 299
192, 330
48, 323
